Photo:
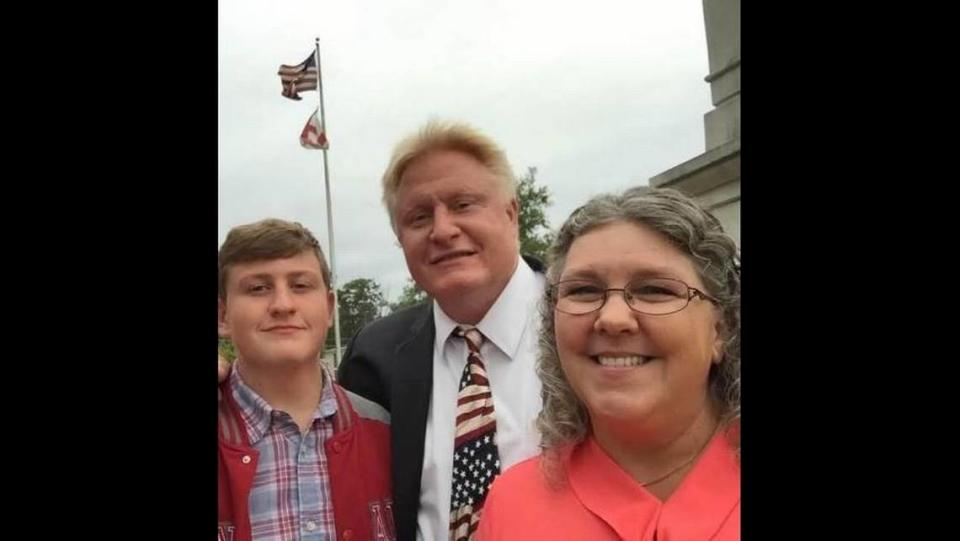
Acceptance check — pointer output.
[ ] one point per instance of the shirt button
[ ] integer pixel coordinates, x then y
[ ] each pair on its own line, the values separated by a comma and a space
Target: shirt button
348, 535
245, 459
311, 525
337, 447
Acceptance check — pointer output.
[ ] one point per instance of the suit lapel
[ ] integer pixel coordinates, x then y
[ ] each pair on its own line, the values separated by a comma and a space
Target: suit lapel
412, 386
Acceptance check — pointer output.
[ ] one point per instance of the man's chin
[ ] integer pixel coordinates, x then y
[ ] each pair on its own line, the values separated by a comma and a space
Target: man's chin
456, 285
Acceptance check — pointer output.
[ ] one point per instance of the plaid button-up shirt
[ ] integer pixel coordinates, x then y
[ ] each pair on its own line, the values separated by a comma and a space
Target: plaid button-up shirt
290, 499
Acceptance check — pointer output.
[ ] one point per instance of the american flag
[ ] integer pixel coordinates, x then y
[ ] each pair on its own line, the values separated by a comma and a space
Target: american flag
299, 78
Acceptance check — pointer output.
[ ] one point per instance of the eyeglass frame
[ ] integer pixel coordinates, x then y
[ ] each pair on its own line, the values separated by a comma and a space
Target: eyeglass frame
691, 293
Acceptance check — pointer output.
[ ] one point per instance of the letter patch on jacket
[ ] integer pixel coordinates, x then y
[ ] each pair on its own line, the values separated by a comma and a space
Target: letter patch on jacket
225, 531
381, 517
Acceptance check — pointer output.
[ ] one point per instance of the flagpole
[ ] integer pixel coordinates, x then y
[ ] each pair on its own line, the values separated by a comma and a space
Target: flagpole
326, 178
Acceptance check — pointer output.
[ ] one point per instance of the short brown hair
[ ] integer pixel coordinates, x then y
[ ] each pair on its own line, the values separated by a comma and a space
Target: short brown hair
264, 240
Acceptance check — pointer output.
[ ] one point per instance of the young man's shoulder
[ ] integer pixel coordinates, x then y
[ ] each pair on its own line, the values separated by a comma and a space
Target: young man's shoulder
365, 408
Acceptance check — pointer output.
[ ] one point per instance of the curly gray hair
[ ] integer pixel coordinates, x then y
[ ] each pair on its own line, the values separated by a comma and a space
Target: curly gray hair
715, 256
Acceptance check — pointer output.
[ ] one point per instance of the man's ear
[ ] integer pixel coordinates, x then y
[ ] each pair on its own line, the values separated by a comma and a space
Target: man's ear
718, 342
223, 325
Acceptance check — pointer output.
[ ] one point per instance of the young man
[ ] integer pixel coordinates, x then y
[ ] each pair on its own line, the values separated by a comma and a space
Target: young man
299, 457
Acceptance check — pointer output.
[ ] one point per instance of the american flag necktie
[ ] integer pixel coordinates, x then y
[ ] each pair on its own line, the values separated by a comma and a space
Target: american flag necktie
476, 461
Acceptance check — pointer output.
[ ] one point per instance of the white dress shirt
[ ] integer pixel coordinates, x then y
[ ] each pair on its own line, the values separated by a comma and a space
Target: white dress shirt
510, 329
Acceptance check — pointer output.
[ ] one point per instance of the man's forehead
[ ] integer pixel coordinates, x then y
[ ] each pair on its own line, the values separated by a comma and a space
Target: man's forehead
444, 163
446, 187
445, 191
304, 263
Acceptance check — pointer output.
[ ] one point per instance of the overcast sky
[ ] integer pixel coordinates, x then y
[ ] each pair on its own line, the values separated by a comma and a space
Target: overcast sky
598, 95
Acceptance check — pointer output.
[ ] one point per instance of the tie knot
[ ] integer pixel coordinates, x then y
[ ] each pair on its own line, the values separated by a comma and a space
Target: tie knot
473, 337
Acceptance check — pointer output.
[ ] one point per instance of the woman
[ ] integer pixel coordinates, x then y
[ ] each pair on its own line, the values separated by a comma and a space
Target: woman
640, 363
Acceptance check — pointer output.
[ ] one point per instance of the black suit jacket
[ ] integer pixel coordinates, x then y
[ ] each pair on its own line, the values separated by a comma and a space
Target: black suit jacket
390, 361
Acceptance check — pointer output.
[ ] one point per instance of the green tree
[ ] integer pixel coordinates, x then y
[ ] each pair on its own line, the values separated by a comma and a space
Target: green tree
535, 234
226, 350
411, 295
361, 301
